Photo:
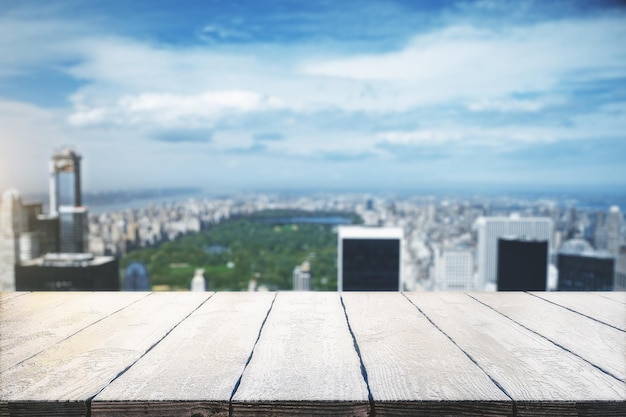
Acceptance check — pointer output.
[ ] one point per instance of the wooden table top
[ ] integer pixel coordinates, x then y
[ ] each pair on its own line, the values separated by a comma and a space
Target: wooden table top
312, 353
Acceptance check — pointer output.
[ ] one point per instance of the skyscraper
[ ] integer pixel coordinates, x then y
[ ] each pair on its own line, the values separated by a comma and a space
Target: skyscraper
12, 224
66, 201
490, 229
614, 223
369, 258
522, 264
65, 187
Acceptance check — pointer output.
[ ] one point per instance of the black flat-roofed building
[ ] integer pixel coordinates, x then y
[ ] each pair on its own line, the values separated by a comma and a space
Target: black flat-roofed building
581, 268
68, 272
369, 259
522, 264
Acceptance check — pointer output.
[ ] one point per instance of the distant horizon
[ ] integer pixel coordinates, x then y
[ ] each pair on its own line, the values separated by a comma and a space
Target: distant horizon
283, 94
599, 199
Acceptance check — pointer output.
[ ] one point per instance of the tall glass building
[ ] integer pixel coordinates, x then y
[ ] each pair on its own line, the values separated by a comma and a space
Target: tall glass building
66, 201
65, 180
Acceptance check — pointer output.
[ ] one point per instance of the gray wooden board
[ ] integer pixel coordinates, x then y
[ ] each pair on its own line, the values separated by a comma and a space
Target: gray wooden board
602, 345
77, 368
305, 357
533, 371
603, 309
412, 367
24, 335
196, 366
619, 296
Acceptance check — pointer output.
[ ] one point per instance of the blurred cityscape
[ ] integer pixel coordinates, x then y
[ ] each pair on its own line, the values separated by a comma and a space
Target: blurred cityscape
447, 242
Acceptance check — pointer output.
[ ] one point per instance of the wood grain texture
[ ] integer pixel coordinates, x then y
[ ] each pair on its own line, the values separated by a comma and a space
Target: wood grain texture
532, 370
602, 345
304, 358
72, 371
168, 408
33, 323
7, 295
600, 308
412, 367
619, 296
196, 367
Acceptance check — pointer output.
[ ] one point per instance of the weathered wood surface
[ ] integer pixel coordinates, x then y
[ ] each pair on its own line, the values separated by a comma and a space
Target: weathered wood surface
69, 373
194, 370
201, 354
600, 345
43, 319
7, 295
305, 360
605, 310
538, 375
411, 366
616, 296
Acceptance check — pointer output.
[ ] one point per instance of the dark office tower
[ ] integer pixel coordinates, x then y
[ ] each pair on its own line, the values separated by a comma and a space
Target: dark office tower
369, 259
68, 272
583, 269
48, 228
73, 227
66, 201
522, 265
33, 210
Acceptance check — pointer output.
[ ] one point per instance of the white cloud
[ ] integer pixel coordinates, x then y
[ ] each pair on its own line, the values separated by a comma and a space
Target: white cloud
507, 105
465, 62
172, 110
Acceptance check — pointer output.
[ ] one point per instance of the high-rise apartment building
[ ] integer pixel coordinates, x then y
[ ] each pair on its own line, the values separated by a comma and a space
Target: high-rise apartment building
522, 265
66, 201
369, 258
490, 229
454, 270
12, 224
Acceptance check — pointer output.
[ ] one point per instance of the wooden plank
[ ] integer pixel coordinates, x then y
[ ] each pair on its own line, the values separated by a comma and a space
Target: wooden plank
540, 377
603, 346
589, 304
24, 306
412, 367
25, 335
12, 294
195, 369
65, 376
304, 362
619, 296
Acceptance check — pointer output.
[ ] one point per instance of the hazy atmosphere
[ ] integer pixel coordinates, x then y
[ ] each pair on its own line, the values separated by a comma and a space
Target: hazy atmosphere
240, 95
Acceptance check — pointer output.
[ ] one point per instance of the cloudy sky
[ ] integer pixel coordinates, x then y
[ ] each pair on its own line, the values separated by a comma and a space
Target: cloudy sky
244, 95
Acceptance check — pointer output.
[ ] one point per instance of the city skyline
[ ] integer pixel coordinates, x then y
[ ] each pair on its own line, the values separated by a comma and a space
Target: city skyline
365, 95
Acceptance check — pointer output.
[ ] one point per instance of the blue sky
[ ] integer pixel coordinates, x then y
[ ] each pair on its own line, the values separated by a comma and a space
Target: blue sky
246, 95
